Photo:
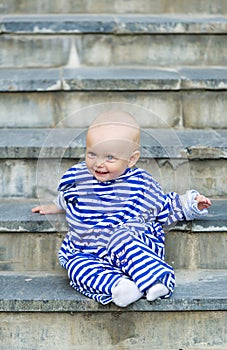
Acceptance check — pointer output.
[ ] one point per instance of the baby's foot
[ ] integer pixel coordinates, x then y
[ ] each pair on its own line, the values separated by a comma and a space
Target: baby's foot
125, 293
157, 291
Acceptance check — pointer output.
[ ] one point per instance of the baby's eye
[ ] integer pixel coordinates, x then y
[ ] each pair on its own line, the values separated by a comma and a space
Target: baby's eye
91, 154
110, 158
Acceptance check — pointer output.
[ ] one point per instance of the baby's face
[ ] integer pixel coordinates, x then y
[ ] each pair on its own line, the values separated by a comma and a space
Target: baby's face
108, 153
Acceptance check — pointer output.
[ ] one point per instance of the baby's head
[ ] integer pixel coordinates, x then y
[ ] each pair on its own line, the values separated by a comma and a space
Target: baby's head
112, 143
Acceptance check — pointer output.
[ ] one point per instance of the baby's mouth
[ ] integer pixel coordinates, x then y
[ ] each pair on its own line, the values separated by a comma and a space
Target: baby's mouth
101, 172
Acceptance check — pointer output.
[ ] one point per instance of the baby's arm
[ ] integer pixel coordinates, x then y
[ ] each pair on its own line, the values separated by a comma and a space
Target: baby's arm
47, 209
57, 207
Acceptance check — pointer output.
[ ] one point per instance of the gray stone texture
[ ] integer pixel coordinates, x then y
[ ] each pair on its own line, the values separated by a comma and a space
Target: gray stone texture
192, 109
200, 7
26, 51
112, 79
115, 330
108, 23
120, 79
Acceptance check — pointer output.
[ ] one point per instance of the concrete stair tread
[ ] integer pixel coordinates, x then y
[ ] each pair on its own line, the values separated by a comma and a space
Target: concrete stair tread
112, 79
55, 143
16, 216
196, 290
113, 23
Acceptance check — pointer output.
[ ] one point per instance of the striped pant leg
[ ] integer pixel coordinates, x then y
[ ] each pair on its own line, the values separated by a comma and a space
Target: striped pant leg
92, 276
64, 252
139, 261
89, 274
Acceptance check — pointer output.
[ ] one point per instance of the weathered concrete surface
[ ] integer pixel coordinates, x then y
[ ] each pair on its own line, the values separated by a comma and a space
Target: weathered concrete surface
115, 6
197, 250
159, 109
30, 252
156, 50
27, 51
43, 312
30, 80
30, 242
204, 78
114, 331
108, 23
203, 110
120, 79
16, 216
112, 79
201, 290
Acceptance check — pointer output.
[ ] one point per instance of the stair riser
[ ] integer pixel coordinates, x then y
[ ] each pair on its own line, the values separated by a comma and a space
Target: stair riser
38, 252
30, 252
196, 250
111, 50
200, 109
18, 176
115, 6
114, 331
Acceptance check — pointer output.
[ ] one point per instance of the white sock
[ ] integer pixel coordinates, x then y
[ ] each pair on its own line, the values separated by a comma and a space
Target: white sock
157, 291
125, 292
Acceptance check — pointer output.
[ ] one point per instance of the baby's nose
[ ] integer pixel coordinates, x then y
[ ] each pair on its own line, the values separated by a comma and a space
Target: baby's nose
100, 162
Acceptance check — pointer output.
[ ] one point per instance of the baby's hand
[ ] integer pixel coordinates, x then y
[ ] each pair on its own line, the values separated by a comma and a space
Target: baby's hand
203, 202
47, 209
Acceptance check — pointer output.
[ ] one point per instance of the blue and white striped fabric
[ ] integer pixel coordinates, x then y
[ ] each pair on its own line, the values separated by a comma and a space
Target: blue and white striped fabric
115, 231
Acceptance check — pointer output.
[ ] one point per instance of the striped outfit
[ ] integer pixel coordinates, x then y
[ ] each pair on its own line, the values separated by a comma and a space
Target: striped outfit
115, 231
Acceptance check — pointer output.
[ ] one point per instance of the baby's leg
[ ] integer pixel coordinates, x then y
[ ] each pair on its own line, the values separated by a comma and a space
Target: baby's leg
144, 267
91, 274
97, 278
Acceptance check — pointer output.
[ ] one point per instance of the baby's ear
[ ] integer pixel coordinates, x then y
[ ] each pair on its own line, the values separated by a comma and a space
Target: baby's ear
134, 158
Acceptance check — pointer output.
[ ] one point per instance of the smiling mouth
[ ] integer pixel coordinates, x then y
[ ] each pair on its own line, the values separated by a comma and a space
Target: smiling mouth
101, 172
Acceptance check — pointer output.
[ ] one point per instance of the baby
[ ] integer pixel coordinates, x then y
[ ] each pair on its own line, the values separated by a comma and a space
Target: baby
114, 249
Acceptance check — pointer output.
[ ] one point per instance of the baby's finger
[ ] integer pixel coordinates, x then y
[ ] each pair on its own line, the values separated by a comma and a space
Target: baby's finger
38, 210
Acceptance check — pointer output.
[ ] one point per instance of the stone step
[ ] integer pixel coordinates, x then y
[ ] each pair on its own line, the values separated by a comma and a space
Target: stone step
156, 50
35, 306
27, 155
191, 108
110, 23
114, 6
112, 79
30, 242
112, 40
70, 143
194, 98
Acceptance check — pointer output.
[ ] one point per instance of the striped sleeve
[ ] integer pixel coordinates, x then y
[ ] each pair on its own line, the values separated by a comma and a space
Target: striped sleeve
60, 201
179, 207
171, 211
